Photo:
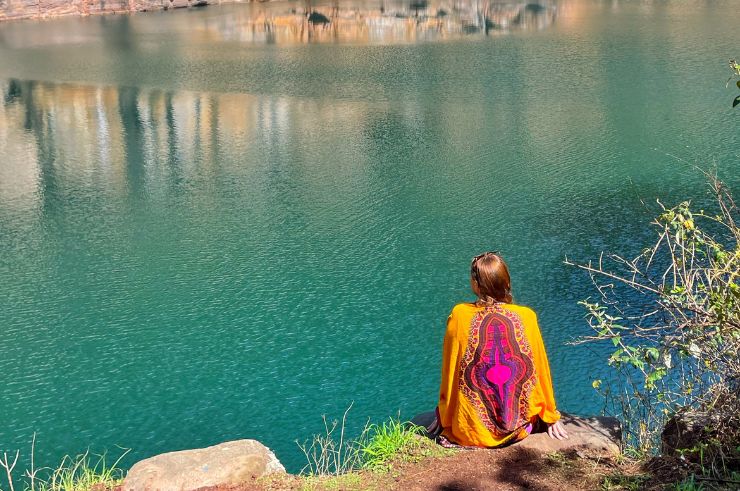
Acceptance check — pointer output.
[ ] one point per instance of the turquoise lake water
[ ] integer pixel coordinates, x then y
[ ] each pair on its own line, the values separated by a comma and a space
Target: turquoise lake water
225, 223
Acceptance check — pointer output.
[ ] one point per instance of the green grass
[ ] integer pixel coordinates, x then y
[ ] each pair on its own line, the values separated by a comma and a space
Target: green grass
689, 484
344, 482
374, 455
332, 453
82, 473
622, 482
386, 441
697, 482
556, 459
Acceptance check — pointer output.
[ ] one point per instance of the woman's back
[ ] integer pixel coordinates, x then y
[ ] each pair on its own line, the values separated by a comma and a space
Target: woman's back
495, 375
496, 382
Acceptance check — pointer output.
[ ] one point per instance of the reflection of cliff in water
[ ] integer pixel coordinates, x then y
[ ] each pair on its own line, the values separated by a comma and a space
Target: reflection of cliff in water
380, 22
56, 139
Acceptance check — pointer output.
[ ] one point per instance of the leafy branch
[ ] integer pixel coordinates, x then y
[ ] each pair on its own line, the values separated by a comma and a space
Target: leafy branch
735, 67
672, 315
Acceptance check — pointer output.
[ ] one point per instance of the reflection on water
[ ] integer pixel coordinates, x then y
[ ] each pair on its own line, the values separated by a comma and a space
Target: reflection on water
20, 172
70, 138
378, 22
56, 132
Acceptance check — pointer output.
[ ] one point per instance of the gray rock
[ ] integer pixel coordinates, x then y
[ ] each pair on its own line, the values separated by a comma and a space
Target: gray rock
599, 434
227, 464
688, 429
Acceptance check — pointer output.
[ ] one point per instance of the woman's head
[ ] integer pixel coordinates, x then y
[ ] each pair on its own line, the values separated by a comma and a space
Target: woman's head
489, 278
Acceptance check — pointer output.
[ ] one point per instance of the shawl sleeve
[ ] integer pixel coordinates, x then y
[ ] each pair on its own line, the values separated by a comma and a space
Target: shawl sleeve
448, 393
544, 397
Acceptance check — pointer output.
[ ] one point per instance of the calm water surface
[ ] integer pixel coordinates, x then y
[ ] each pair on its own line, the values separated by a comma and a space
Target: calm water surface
224, 223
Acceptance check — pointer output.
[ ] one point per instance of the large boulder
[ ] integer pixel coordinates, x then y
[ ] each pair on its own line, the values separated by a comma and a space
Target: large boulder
596, 434
227, 464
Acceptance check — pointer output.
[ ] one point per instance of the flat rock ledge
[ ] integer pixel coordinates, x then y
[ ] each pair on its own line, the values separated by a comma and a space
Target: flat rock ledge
227, 464
596, 434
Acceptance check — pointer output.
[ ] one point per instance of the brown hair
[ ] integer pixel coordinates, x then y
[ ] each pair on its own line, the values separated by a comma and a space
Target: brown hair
491, 275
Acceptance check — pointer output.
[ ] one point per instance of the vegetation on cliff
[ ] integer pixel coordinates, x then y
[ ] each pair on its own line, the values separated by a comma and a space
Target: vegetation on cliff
333, 453
83, 472
672, 315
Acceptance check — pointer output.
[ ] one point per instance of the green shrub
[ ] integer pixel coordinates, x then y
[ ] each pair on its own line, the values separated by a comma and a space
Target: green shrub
735, 67
672, 315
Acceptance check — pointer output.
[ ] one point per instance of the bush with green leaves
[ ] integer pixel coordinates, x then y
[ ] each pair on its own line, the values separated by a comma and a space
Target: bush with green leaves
735, 67
672, 317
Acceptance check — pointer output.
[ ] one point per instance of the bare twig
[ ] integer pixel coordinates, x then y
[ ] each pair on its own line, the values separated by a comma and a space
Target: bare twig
5, 464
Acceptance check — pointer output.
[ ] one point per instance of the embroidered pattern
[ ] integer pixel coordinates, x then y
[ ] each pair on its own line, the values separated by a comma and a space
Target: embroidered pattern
497, 370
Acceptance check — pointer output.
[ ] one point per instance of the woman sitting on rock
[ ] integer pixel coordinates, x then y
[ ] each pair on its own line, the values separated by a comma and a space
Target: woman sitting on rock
496, 386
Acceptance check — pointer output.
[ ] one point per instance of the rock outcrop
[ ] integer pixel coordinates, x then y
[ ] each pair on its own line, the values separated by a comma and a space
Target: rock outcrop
227, 464
688, 429
597, 434
41, 9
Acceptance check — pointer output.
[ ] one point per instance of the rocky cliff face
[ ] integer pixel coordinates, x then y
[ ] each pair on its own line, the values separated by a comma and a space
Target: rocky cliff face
40, 9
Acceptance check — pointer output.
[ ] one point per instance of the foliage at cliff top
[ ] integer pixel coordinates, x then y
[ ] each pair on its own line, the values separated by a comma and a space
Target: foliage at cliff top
735, 67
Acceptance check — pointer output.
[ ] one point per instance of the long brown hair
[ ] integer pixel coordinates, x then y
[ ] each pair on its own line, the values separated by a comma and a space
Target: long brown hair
491, 276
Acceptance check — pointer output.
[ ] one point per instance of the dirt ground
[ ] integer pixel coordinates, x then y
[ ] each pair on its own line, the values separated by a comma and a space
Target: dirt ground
429, 467
505, 469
